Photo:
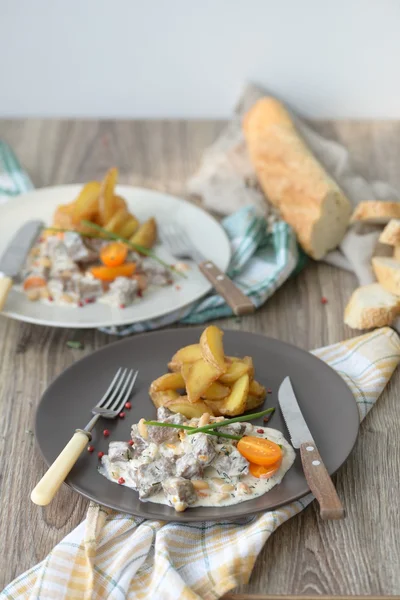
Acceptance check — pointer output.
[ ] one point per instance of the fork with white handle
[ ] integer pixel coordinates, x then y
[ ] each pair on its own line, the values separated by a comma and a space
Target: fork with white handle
181, 246
109, 407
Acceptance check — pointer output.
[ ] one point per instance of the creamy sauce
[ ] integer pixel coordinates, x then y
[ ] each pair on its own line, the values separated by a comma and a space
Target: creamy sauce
218, 492
64, 265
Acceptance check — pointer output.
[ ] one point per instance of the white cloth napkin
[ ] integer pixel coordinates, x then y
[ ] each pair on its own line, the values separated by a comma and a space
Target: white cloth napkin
226, 181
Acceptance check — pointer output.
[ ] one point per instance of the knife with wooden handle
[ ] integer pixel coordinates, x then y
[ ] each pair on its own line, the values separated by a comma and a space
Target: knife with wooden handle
315, 471
239, 302
14, 256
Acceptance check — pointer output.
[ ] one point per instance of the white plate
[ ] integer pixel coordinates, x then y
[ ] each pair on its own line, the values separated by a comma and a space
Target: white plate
205, 232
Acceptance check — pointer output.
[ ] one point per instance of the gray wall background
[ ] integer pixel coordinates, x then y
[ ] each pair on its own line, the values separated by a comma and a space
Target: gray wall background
189, 58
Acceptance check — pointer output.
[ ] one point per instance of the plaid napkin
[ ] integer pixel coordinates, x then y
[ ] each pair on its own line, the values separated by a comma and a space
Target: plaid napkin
116, 556
264, 255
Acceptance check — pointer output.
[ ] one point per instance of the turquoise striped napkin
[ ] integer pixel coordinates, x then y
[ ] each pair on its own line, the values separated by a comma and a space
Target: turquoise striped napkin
262, 257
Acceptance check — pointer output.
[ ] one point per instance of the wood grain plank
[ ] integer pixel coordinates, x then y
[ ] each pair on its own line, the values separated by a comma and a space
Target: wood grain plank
305, 556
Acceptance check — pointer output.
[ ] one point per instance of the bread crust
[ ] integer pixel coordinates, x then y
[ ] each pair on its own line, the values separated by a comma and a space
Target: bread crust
357, 316
391, 234
387, 271
293, 180
376, 211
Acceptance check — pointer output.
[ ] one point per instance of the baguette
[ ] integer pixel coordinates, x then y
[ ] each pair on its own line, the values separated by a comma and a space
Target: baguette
387, 271
391, 234
371, 306
376, 212
293, 180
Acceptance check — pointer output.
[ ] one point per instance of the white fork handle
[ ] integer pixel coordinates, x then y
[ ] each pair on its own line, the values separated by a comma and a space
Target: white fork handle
5, 287
51, 481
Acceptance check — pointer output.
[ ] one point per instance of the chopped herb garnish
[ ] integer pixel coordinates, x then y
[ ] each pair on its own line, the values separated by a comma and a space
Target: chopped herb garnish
75, 344
206, 428
191, 429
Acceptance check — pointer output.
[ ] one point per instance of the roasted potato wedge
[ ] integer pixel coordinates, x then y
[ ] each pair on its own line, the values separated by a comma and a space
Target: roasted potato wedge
119, 202
117, 221
213, 407
184, 370
234, 371
212, 347
187, 354
235, 403
63, 217
146, 235
106, 196
186, 408
198, 378
216, 391
129, 227
86, 205
249, 361
162, 398
169, 381
258, 390
253, 402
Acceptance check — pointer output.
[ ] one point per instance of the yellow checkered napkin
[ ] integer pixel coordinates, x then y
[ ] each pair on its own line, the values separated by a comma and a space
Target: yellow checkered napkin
115, 556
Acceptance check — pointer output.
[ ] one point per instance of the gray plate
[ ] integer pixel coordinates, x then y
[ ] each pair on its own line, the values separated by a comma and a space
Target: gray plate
325, 400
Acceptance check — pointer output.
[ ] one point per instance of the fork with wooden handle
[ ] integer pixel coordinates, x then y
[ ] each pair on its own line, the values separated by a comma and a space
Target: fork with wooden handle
109, 407
181, 246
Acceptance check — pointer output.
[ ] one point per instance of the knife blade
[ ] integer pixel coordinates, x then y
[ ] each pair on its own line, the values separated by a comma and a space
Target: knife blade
14, 256
314, 469
296, 424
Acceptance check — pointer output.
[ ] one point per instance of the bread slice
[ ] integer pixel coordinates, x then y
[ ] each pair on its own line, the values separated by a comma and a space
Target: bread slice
391, 234
387, 271
371, 306
377, 212
396, 253
293, 180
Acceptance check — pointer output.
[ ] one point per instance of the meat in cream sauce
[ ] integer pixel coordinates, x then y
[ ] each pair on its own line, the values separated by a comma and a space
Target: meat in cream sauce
166, 466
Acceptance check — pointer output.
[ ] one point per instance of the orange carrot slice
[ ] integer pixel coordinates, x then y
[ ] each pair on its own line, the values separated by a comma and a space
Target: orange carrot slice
262, 472
34, 281
111, 273
113, 255
259, 450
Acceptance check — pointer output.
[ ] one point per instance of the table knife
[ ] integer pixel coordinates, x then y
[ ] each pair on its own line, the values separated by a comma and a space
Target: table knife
314, 469
14, 256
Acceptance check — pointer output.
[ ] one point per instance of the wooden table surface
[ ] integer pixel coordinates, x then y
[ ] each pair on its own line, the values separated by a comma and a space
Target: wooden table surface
360, 555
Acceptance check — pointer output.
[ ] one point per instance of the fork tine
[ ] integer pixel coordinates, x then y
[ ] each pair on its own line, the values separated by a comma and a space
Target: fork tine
170, 235
111, 386
167, 236
186, 243
115, 390
125, 392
